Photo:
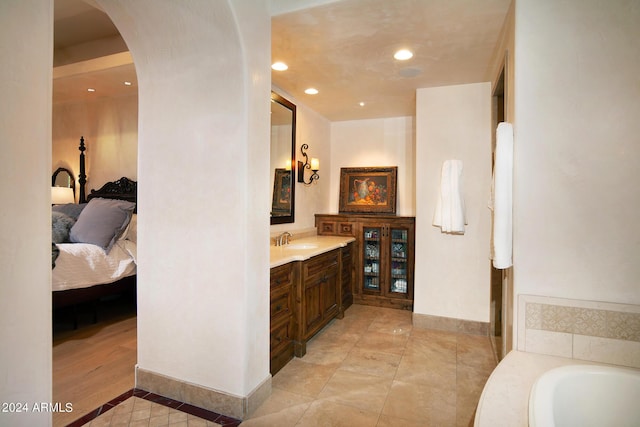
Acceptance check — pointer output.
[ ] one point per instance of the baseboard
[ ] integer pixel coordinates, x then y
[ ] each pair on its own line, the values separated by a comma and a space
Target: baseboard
203, 397
427, 321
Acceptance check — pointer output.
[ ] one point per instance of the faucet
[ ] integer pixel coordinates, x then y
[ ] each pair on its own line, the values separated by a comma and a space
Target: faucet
283, 239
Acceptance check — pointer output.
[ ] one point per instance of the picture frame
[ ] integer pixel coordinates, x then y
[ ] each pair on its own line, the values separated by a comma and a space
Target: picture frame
281, 204
368, 190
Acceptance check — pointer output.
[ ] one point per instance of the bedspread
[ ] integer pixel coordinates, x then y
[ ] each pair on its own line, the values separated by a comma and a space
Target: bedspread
81, 265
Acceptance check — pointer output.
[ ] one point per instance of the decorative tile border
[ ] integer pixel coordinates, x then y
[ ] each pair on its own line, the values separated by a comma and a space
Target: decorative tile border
155, 398
585, 330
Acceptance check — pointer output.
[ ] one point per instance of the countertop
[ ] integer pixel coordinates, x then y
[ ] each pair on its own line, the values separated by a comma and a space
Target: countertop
316, 245
505, 398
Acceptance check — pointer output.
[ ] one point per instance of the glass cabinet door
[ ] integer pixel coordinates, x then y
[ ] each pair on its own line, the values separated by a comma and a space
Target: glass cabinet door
371, 264
399, 260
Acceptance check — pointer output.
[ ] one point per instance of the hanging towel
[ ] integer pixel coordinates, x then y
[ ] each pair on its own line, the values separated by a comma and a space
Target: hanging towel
502, 198
450, 211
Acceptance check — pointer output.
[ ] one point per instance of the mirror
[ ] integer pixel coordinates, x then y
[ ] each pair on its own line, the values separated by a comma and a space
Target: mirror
63, 177
283, 146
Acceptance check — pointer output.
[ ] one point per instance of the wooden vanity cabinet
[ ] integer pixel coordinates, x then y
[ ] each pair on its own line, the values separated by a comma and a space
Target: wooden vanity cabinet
319, 296
347, 276
384, 256
283, 331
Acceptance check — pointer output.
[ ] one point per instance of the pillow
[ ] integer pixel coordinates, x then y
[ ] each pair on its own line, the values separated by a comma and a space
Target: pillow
60, 226
102, 222
131, 233
71, 209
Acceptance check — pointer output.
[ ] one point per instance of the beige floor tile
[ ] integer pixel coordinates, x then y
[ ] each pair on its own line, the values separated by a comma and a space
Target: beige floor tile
475, 351
440, 350
303, 378
280, 401
419, 402
371, 363
381, 342
323, 413
387, 421
400, 325
360, 391
430, 372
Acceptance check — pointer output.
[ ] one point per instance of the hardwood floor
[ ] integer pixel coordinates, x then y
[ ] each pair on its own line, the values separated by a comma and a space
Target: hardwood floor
96, 362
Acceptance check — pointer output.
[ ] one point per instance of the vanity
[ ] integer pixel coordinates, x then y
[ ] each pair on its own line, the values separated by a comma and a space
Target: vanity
311, 280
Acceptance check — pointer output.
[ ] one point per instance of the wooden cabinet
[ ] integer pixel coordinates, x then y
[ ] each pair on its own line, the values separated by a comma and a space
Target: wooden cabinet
346, 274
385, 258
283, 279
319, 296
305, 296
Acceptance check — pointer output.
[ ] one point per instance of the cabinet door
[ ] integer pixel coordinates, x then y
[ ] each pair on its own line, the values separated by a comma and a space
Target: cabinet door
321, 292
399, 261
371, 251
347, 276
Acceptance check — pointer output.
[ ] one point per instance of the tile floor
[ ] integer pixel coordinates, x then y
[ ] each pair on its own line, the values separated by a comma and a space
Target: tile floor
139, 408
371, 368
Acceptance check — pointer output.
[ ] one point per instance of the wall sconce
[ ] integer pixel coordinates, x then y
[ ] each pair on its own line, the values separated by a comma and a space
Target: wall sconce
314, 166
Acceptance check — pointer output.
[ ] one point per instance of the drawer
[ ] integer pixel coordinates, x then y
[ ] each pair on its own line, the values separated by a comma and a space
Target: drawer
327, 228
346, 229
281, 304
336, 228
281, 336
320, 264
282, 276
347, 252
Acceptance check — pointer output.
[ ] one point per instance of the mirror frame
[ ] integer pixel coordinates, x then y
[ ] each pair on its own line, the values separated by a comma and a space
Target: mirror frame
284, 219
73, 179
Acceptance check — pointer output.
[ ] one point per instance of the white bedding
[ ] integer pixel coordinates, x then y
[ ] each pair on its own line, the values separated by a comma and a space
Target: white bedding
81, 265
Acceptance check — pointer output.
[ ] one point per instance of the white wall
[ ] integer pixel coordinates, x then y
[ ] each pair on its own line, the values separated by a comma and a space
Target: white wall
25, 221
375, 142
203, 202
314, 130
577, 143
452, 274
110, 130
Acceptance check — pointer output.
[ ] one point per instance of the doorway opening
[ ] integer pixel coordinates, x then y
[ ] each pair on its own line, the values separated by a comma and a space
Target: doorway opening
496, 314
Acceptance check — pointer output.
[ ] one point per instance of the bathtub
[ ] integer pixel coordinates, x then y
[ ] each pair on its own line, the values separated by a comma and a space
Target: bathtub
584, 396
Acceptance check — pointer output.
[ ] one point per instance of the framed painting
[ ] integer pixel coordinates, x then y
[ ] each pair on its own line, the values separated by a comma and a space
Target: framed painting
281, 205
368, 190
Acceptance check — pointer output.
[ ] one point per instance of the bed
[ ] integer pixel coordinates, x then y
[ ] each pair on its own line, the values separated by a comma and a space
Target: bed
97, 256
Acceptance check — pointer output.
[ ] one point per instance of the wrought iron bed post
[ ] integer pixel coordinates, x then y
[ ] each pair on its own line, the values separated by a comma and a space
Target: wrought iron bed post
82, 178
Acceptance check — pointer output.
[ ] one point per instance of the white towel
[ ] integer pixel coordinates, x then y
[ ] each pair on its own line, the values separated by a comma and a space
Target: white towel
450, 213
502, 198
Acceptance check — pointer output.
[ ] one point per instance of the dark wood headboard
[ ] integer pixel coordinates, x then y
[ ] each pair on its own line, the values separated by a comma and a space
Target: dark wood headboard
123, 189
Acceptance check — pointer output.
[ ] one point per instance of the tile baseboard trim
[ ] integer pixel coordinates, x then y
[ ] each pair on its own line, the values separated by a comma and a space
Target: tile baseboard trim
450, 324
203, 397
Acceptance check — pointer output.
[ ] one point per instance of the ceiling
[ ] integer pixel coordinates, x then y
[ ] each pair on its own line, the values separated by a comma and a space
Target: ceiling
343, 48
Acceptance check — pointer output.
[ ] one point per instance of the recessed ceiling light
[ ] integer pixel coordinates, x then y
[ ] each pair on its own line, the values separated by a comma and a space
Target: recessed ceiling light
311, 91
91, 89
403, 55
127, 83
279, 66
361, 104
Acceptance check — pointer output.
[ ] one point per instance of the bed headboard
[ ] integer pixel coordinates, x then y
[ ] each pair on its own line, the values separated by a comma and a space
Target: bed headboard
123, 189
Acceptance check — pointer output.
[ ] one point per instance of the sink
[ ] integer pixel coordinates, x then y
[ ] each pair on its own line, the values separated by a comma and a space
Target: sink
294, 246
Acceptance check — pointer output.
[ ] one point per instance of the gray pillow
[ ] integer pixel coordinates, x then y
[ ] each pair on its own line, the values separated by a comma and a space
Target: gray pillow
60, 226
101, 222
71, 209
